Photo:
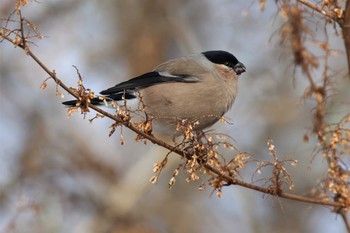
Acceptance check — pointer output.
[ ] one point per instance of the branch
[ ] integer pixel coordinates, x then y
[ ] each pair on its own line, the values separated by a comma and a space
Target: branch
328, 14
344, 214
290, 196
346, 31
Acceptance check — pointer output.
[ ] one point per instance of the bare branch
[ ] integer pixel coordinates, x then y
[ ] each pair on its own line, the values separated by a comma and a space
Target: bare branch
330, 14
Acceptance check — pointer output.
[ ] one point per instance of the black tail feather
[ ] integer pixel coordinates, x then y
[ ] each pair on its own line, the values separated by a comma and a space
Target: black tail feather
98, 101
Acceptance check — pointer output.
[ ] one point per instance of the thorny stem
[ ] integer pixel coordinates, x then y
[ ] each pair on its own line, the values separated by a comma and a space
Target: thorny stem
229, 180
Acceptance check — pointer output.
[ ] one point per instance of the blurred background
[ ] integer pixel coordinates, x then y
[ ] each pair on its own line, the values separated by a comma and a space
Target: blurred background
60, 174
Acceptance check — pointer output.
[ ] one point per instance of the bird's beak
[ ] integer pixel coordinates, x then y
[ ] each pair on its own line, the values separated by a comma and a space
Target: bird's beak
239, 68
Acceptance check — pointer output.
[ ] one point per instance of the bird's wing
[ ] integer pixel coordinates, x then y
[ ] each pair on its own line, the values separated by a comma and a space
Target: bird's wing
170, 71
148, 79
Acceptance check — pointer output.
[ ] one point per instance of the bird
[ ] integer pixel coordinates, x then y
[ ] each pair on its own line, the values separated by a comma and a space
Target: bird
199, 88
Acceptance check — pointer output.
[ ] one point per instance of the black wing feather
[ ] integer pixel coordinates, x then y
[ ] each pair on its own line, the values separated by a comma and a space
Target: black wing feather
125, 90
146, 80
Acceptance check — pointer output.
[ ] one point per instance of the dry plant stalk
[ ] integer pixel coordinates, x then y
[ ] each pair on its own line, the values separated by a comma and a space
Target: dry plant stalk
334, 139
280, 175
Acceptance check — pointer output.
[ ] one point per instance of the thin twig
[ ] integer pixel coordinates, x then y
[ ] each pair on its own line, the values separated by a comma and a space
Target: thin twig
328, 14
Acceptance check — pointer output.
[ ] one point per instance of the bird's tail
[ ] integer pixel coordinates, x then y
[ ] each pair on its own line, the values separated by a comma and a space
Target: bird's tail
101, 101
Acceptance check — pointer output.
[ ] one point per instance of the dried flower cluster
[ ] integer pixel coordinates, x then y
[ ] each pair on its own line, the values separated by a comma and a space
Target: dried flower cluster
335, 143
20, 3
202, 150
84, 98
23, 35
280, 175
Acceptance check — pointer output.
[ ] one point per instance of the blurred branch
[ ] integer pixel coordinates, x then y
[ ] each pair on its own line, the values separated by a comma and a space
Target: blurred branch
298, 34
346, 31
338, 15
344, 214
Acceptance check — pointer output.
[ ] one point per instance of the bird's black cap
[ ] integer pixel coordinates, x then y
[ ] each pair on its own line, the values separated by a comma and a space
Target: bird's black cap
221, 57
